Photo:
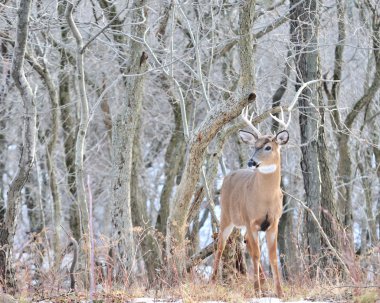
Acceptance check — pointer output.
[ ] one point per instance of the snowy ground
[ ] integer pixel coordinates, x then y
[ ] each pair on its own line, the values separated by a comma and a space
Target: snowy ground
262, 300
155, 300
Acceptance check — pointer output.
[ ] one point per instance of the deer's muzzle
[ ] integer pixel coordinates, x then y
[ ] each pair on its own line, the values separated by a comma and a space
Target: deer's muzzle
253, 163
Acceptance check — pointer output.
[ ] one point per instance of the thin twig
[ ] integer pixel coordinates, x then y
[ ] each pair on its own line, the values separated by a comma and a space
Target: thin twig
326, 238
101, 31
294, 101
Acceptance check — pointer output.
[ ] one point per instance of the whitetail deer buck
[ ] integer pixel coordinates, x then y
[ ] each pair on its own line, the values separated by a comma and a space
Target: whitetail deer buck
252, 198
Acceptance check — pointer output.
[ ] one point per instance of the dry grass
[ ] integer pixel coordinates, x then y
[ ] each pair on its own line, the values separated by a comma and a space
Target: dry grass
328, 287
241, 290
199, 290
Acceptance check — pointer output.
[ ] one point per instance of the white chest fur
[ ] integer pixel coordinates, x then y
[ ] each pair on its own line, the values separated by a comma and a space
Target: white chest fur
267, 169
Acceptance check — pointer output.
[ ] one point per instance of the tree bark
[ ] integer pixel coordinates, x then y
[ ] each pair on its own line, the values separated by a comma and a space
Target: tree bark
364, 166
149, 245
246, 47
4, 70
233, 260
36, 228
332, 212
123, 133
304, 31
83, 123
8, 226
345, 163
174, 158
329, 214
69, 128
286, 245
50, 149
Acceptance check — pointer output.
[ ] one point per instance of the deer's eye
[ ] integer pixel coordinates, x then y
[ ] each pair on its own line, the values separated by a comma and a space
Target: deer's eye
268, 147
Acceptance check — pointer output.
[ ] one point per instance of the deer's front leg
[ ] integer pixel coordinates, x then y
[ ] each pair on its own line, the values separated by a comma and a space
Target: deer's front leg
271, 236
254, 251
263, 278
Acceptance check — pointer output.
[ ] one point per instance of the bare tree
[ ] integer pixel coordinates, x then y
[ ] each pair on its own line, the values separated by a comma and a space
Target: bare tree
68, 122
304, 31
84, 119
124, 128
345, 162
8, 225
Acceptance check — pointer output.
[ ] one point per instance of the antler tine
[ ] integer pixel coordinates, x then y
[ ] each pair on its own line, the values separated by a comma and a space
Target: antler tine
281, 121
244, 116
292, 104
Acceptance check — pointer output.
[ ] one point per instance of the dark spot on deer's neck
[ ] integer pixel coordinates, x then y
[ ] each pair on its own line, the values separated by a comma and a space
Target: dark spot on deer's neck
265, 224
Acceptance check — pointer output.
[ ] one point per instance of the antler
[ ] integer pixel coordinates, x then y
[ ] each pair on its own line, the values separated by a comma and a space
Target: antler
292, 104
248, 121
281, 121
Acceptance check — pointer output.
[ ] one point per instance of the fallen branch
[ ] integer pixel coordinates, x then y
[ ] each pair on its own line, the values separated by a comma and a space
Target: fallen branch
200, 256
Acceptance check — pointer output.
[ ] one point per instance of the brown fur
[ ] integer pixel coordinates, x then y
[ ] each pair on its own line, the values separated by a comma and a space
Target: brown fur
253, 199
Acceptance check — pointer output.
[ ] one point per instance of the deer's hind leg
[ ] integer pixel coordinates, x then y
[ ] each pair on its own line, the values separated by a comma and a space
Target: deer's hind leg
224, 233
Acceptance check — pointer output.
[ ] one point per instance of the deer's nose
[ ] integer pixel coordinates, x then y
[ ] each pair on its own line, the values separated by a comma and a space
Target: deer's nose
252, 163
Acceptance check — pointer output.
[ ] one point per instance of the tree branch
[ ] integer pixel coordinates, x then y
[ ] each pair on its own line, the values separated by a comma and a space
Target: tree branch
272, 26
201, 255
366, 99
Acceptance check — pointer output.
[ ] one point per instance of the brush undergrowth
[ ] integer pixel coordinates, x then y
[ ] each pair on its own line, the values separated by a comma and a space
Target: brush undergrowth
199, 290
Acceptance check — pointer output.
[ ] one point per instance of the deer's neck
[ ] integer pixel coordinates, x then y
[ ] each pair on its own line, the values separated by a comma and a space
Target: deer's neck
269, 175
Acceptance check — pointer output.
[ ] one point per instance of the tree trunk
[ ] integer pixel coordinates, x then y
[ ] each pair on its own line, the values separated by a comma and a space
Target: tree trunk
5, 53
286, 245
50, 150
329, 215
52, 170
304, 32
8, 226
83, 123
233, 257
36, 229
69, 129
331, 210
246, 47
345, 163
149, 245
367, 187
174, 158
123, 133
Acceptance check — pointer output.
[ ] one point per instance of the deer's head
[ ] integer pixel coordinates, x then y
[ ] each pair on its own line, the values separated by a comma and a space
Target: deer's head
266, 154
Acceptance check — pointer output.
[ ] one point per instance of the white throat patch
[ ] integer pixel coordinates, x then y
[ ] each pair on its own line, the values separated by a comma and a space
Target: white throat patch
267, 169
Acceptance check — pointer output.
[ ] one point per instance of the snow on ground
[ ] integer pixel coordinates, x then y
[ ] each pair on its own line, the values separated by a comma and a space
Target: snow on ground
261, 300
155, 300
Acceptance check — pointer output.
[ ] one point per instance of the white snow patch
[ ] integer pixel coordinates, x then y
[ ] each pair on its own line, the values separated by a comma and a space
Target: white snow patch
155, 300
265, 300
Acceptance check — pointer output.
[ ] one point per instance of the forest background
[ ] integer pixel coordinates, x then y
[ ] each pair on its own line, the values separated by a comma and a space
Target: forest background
119, 119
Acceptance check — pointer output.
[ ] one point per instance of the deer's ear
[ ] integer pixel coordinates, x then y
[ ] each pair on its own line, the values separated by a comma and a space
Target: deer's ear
282, 137
247, 137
